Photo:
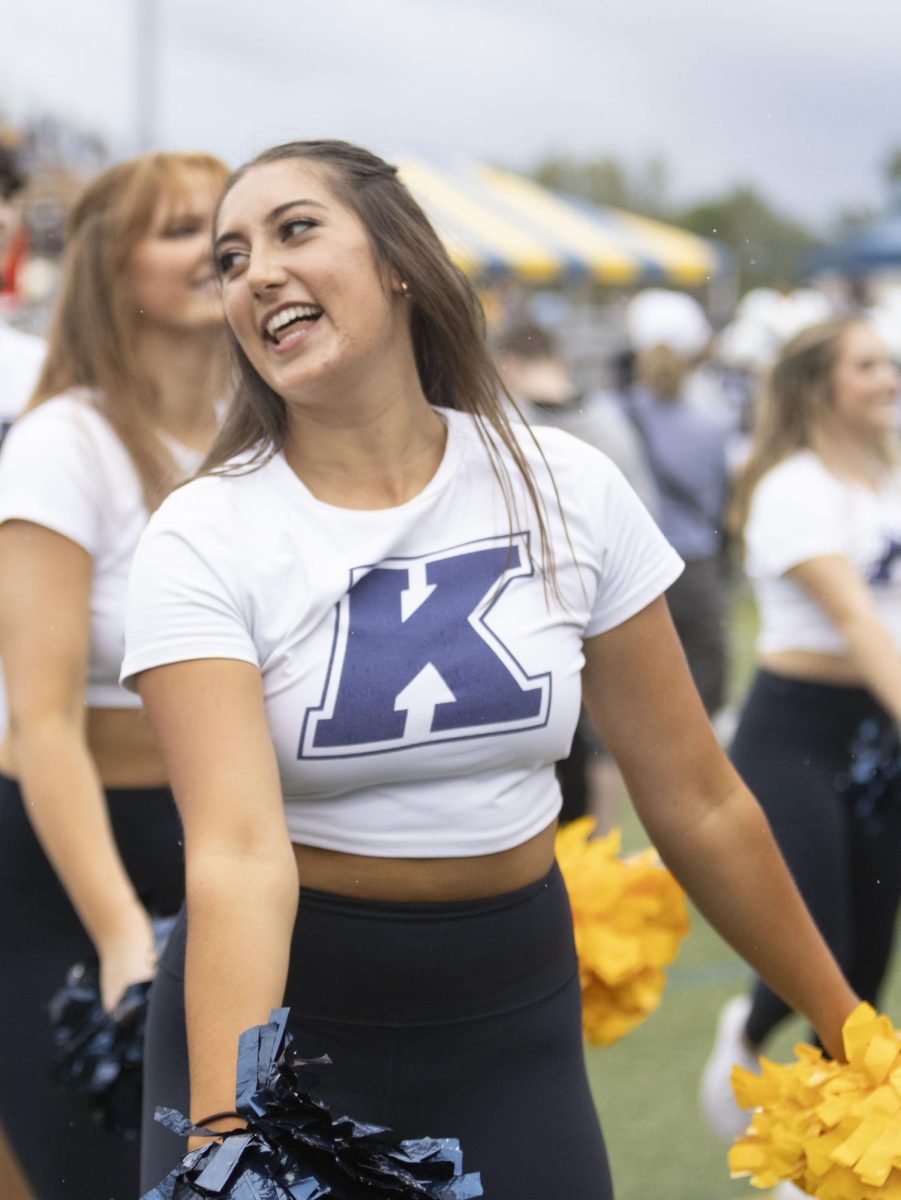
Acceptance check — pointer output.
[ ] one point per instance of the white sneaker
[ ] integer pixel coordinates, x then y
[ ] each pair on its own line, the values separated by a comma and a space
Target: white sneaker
717, 1099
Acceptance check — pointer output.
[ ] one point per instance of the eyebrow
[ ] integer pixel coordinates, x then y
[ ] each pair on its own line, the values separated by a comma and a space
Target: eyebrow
271, 218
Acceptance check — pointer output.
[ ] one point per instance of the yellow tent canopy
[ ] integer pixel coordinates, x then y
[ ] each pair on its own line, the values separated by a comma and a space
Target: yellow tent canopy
496, 224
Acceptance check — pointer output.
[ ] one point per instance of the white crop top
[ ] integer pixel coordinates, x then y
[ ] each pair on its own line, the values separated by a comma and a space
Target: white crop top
419, 682
63, 467
800, 511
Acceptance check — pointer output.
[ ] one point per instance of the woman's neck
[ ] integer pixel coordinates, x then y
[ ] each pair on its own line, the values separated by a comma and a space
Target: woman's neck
190, 373
376, 452
854, 458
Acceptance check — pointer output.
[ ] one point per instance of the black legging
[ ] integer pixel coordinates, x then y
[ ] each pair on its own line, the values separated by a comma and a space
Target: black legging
449, 1020
64, 1154
825, 764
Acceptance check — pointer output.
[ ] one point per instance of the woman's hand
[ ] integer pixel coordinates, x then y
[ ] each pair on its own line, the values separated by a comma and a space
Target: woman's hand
128, 955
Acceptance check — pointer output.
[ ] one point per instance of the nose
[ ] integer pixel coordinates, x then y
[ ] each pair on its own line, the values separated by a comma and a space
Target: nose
265, 272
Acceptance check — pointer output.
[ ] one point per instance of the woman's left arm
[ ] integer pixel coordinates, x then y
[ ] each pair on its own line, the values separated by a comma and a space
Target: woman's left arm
705, 823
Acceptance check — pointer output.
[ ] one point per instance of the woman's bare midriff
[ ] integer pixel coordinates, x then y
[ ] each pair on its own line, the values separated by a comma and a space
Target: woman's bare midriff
427, 879
122, 745
812, 666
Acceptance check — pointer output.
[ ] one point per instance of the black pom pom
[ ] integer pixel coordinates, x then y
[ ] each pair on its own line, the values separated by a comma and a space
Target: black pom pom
293, 1148
99, 1055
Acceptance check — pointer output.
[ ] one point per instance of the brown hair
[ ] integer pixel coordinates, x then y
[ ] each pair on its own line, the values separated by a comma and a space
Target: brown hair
91, 338
447, 324
662, 370
794, 395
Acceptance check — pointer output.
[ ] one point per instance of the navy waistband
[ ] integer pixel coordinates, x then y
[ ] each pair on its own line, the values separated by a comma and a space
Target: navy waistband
393, 963
821, 702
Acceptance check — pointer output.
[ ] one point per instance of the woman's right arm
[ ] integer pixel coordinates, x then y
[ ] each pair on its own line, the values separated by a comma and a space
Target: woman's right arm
45, 583
241, 882
835, 585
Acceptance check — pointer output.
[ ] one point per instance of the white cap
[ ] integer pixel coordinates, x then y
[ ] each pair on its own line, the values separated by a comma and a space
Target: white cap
657, 317
765, 320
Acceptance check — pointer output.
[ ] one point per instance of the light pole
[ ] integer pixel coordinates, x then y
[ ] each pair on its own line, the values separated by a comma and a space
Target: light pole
146, 33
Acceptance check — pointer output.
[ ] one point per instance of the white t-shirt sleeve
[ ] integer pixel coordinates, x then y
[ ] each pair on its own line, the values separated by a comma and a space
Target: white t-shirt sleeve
635, 562
184, 601
796, 514
50, 473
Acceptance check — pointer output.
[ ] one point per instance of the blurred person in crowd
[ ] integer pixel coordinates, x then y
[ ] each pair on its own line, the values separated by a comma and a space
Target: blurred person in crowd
686, 452
819, 507
90, 842
21, 354
362, 635
531, 363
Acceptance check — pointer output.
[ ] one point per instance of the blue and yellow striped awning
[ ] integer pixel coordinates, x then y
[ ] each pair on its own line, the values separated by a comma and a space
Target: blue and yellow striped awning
497, 224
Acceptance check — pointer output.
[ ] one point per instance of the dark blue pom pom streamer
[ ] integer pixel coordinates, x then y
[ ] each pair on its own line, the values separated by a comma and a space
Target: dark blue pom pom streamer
99, 1055
292, 1148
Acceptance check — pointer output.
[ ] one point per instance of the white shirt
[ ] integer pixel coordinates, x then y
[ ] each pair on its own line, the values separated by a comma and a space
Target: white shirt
21, 359
419, 678
800, 511
63, 467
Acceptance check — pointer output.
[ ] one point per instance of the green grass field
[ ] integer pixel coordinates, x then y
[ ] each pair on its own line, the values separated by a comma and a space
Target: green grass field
646, 1085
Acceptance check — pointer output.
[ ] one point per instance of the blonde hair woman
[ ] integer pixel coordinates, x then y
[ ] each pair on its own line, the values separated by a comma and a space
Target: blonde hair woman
819, 508
89, 837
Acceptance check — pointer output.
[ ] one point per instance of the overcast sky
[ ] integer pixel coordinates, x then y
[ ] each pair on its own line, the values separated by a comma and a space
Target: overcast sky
801, 96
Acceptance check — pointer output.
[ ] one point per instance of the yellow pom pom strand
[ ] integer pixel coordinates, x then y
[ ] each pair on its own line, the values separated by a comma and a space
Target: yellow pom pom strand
832, 1129
629, 916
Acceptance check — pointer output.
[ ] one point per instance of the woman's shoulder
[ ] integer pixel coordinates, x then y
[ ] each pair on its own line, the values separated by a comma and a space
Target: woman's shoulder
212, 498
68, 428
75, 417
80, 406
803, 468
542, 446
799, 488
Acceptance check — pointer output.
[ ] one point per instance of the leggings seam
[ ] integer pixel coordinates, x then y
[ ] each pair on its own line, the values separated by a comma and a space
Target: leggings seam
474, 1019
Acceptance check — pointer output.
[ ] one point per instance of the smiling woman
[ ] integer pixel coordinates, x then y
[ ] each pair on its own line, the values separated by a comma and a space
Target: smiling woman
89, 836
819, 506
362, 637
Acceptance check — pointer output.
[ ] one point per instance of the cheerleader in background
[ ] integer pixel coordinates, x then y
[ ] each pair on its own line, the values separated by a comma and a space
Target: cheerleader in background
21, 356
90, 842
819, 507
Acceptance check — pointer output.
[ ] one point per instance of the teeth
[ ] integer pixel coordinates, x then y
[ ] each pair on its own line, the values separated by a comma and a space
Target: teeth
297, 312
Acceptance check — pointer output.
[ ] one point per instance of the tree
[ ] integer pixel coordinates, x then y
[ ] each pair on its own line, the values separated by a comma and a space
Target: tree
891, 173
642, 188
770, 248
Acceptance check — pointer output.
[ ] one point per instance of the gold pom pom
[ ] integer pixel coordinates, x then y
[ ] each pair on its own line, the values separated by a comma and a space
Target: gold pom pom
833, 1129
629, 916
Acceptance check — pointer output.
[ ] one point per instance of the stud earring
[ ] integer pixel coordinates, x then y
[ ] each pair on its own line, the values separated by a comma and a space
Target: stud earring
405, 289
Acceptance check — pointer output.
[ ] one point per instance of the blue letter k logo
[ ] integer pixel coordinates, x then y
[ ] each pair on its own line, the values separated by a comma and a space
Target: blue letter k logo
414, 661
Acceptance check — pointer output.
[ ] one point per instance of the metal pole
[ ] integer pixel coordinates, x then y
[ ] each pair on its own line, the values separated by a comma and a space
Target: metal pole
146, 32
